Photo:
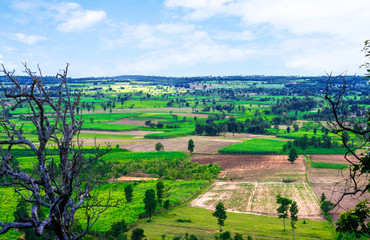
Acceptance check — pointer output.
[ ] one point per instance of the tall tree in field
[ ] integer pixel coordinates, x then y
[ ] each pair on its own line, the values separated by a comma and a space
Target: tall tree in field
150, 202
128, 193
159, 147
292, 155
191, 145
160, 192
220, 214
293, 216
63, 176
283, 207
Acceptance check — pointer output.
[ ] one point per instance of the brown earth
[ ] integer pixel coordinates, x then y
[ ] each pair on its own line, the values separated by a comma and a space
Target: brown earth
256, 167
338, 158
259, 198
203, 144
333, 183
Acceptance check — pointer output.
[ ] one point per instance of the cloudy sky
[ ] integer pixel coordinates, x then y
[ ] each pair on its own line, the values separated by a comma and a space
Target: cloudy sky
185, 37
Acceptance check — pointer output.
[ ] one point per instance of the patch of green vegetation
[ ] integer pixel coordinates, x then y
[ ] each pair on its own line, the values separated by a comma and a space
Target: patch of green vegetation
179, 191
176, 132
328, 165
109, 127
254, 146
204, 225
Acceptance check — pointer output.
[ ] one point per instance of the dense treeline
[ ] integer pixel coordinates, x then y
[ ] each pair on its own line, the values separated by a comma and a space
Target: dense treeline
256, 125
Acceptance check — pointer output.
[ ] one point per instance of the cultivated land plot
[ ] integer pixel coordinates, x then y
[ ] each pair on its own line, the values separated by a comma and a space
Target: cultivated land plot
332, 182
134, 122
256, 168
203, 144
331, 158
260, 198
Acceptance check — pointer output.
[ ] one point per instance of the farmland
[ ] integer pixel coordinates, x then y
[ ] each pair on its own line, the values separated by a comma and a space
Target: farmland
243, 131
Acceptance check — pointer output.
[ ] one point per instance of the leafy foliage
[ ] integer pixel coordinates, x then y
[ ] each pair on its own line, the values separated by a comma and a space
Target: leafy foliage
220, 214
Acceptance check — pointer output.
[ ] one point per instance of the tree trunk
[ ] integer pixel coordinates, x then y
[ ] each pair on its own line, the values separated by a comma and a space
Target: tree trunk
284, 224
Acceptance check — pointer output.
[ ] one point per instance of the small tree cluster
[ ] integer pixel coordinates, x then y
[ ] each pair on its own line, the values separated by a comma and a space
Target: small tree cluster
285, 205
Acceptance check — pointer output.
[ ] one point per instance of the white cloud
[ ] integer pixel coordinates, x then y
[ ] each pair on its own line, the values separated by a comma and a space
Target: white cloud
79, 20
70, 16
239, 36
29, 39
314, 35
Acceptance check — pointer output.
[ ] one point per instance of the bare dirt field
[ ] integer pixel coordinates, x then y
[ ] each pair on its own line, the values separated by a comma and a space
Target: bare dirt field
333, 183
260, 198
259, 168
203, 144
331, 158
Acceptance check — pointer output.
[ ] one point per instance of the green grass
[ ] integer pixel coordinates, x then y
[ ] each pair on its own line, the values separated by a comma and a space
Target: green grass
180, 191
175, 132
141, 156
328, 165
109, 127
204, 225
254, 146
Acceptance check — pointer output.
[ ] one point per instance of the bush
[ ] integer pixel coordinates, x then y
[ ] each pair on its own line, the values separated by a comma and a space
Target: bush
183, 220
137, 234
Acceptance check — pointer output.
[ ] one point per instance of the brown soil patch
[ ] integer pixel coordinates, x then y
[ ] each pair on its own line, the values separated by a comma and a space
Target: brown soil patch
260, 198
256, 167
203, 144
126, 179
333, 183
339, 158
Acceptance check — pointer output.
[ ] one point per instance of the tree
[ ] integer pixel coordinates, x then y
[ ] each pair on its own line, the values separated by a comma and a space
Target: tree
64, 192
295, 127
238, 236
191, 145
118, 229
224, 236
325, 206
303, 143
128, 193
283, 208
335, 90
293, 216
292, 155
355, 220
220, 214
159, 147
137, 234
160, 191
150, 202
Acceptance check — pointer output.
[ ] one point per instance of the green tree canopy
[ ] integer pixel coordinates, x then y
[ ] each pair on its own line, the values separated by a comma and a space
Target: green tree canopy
220, 214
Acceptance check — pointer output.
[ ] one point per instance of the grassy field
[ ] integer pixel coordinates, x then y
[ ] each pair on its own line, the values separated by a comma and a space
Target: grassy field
204, 225
328, 165
179, 191
254, 146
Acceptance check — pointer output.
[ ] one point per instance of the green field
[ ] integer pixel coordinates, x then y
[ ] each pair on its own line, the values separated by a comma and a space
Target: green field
254, 146
328, 165
204, 225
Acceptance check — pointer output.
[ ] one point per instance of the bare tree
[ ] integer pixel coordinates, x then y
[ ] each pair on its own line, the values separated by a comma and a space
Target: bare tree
343, 121
63, 179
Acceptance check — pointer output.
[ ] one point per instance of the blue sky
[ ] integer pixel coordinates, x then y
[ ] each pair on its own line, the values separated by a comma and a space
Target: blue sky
185, 37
